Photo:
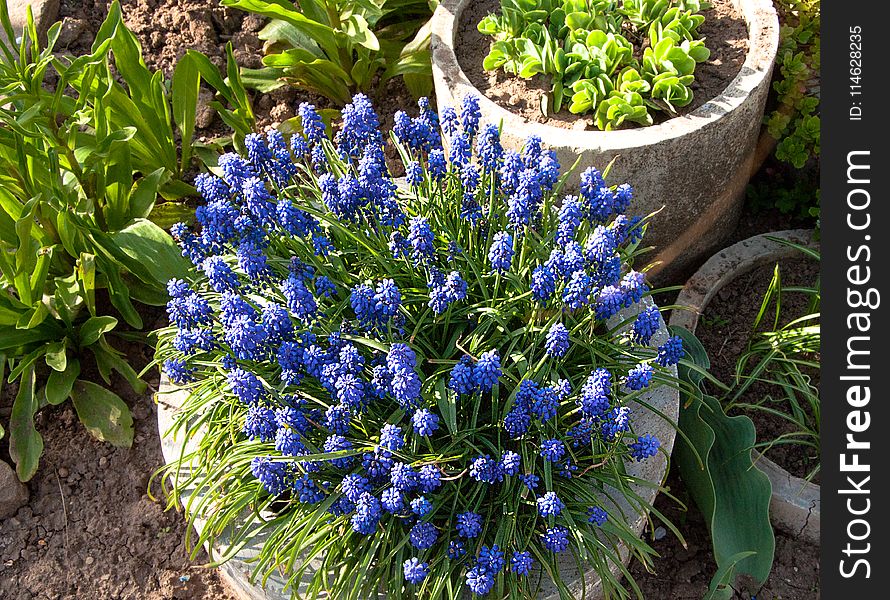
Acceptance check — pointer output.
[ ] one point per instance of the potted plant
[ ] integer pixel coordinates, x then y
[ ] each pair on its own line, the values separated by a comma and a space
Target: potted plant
795, 504
695, 165
410, 391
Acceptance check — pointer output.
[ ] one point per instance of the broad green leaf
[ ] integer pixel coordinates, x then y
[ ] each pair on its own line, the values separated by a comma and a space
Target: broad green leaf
148, 252
725, 483
86, 273
356, 27
59, 384
145, 192
56, 355
168, 214
25, 442
108, 359
94, 327
279, 31
184, 90
119, 293
263, 80
323, 34
103, 413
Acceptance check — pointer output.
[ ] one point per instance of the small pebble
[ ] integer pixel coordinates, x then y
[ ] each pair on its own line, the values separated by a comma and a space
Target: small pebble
660, 532
103, 461
89, 560
63, 472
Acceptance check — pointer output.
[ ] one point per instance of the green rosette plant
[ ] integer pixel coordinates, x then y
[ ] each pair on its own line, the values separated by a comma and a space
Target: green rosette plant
88, 147
412, 389
618, 62
336, 48
795, 123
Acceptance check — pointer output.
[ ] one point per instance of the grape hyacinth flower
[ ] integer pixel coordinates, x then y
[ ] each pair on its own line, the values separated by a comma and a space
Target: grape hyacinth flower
645, 325
597, 516
480, 580
671, 352
549, 505
552, 450
646, 445
415, 571
425, 422
555, 539
501, 253
349, 316
557, 340
521, 563
639, 377
487, 370
423, 535
469, 525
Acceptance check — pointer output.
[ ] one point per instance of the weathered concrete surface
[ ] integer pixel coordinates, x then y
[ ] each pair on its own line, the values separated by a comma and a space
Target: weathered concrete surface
45, 14
795, 506
664, 399
696, 165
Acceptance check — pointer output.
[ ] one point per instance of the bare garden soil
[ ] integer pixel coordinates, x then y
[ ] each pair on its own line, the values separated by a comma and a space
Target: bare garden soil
724, 30
91, 529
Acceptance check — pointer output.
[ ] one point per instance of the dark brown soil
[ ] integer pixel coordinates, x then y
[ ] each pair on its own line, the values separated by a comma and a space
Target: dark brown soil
725, 330
724, 30
684, 573
90, 531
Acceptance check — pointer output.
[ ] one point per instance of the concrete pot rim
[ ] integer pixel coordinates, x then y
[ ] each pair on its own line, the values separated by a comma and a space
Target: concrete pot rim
236, 571
795, 504
763, 43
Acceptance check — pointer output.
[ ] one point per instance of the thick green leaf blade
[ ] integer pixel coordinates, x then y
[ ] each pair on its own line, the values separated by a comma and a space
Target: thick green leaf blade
145, 243
94, 327
25, 442
726, 485
145, 192
103, 413
185, 87
59, 384
56, 356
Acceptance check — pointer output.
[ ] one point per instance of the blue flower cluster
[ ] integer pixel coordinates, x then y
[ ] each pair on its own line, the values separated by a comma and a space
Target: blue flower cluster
409, 339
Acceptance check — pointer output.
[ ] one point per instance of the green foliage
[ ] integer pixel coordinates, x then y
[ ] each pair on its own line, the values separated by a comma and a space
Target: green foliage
783, 358
617, 62
83, 160
790, 194
795, 123
714, 457
336, 48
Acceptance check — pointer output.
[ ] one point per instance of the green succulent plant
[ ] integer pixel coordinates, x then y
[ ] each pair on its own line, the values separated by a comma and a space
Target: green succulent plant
591, 49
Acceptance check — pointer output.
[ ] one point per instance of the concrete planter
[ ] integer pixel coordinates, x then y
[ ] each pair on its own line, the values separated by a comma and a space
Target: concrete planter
795, 506
664, 399
696, 165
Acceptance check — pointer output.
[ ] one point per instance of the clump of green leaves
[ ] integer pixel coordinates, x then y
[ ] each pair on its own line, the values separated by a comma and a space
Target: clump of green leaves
619, 62
783, 357
795, 123
336, 48
84, 157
